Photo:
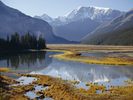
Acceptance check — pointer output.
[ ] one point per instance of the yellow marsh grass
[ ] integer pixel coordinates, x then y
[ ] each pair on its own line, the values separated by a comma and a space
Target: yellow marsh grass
63, 90
73, 56
4, 69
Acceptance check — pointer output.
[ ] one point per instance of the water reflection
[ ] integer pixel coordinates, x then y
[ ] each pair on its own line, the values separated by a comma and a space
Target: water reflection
86, 72
40, 62
26, 61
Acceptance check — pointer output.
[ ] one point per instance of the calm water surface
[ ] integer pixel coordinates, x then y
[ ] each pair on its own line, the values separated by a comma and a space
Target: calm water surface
41, 63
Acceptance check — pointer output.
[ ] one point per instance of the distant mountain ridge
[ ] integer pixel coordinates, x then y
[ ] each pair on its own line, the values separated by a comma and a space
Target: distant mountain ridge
99, 14
12, 20
80, 21
45, 17
75, 30
90, 25
117, 32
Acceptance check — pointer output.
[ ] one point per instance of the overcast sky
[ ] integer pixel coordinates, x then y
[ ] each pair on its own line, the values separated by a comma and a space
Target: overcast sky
56, 8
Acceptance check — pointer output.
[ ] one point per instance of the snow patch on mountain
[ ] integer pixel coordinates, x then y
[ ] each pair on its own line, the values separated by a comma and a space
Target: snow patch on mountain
89, 12
98, 14
45, 17
97, 9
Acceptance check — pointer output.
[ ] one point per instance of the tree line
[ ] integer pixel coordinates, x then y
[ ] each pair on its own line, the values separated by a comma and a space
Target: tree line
23, 42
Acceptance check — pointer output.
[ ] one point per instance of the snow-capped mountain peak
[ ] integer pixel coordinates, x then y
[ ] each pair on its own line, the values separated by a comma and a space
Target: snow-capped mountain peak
62, 18
101, 8
99, 14
92, 12
45, 17
87, 8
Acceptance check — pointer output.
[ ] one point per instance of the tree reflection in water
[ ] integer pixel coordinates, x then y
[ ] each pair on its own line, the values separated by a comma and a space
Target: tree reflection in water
27, 59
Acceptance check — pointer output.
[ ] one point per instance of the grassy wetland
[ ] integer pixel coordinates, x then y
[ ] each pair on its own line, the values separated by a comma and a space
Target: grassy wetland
73, 53
69, 72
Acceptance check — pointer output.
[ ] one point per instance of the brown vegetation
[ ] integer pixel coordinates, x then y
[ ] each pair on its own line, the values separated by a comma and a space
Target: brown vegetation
59, 89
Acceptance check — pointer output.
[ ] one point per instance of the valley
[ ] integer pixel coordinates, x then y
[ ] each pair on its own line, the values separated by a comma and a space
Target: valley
71, 71
55, 50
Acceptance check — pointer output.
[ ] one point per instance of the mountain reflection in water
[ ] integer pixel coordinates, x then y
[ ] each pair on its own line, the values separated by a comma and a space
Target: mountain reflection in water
86, 72
41, 63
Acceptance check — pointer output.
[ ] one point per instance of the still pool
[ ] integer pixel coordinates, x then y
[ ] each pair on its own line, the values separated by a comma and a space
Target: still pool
42, 63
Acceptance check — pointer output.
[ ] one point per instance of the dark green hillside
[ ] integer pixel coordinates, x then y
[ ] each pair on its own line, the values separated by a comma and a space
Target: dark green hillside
117, 32
123, 37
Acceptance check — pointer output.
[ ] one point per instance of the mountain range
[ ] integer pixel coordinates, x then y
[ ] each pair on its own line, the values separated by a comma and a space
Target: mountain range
79, 22
117, 32
88, 25
12, 20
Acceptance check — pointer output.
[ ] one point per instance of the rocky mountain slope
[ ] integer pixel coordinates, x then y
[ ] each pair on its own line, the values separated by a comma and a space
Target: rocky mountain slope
117, 32
12, 20
80, 21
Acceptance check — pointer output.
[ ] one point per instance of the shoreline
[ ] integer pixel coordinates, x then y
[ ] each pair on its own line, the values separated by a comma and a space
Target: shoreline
73, 56
22, 51
73, 53
59, 89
